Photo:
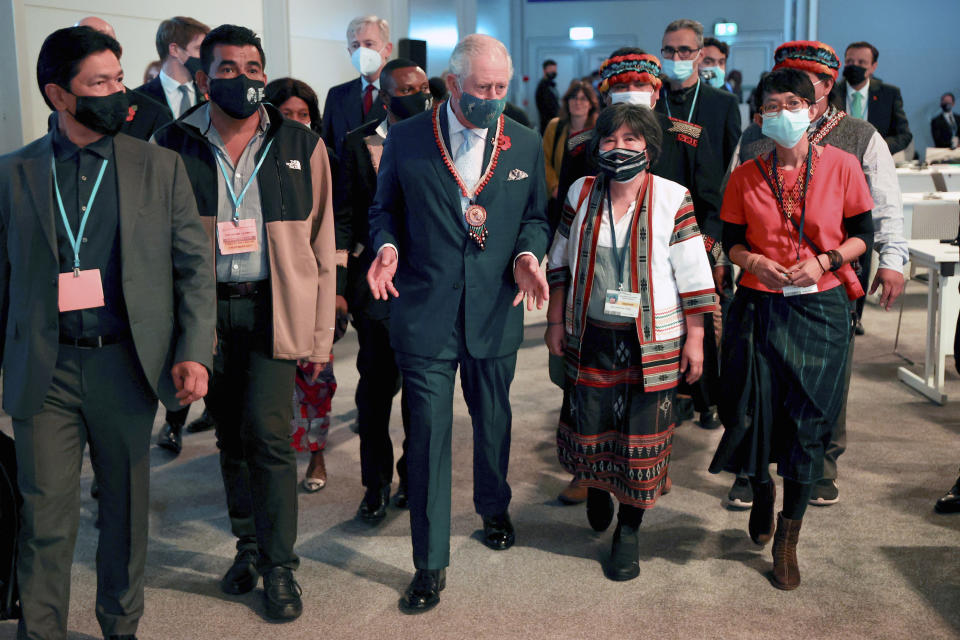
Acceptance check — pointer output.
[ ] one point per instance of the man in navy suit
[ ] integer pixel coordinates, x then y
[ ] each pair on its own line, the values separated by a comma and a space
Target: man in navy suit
352, 103
459, 227
869, 99
178, 45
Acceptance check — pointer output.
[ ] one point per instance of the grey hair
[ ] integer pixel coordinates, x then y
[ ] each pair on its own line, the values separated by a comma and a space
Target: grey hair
358, 23
473, 46
685, 23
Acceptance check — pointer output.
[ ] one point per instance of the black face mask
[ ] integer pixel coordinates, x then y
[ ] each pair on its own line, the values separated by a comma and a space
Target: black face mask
193, 65
410, 105
239, 97
622, 165
946, 106
854, 74
103, 114
551, 75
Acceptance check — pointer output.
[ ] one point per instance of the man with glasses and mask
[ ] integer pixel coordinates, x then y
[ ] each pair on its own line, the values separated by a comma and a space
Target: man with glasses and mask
405, 93
831, 125
353, 103
262, 183
105, 289
459, 227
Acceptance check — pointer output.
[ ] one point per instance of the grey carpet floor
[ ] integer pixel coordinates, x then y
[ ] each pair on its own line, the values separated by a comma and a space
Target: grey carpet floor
880, 564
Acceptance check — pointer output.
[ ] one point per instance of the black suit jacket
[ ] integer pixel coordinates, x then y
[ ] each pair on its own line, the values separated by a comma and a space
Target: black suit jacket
167, 273
885, 112
941, 131
146, 116
154, 90
343, 112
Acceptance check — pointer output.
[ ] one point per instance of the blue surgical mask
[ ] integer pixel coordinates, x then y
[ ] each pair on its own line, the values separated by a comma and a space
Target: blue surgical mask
714, 76
479, 112
677, 69
787, 127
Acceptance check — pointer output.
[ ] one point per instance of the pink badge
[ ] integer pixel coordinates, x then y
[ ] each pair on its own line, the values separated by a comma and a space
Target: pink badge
81, 291
237, 238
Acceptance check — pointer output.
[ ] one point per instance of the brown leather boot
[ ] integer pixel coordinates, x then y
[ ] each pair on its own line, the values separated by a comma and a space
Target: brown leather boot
761, 513
786, 571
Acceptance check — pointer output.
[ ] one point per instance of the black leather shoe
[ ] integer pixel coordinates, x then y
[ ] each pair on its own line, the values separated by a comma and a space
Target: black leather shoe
242, 576
950, 503
423, 593
203, 423
373, 507
170, 439
282, 594
624, 561
709, 419
599, 509
858, 330
400, 497
498, 532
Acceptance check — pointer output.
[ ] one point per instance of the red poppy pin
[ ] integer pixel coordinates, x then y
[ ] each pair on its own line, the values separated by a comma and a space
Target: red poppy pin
504, 142
131, 111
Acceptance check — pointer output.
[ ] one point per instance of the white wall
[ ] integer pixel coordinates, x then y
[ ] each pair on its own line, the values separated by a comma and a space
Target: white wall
136, 25
918, 49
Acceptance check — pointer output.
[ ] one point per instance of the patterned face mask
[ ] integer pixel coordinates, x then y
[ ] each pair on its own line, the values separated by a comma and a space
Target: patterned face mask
479, 112
622, 165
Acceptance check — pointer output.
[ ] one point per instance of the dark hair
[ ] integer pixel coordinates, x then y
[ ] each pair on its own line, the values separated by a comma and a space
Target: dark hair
438, 88
864, 45
640, 120
229, 34
548, 62
948, 94
719, 44
626, 51
180, 31
787, 81
62, 53
386, 74
735, 76
279, 91
577, 87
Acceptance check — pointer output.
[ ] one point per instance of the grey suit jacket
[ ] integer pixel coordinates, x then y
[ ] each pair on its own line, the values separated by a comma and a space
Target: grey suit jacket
167, 275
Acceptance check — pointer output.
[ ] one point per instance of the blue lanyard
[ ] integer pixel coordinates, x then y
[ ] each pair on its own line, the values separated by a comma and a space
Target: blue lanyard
693, 105
76, 240
619, 255
237, 200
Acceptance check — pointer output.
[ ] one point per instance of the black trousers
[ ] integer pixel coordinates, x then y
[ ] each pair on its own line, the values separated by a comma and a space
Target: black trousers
251, 401
380, 380
101, 397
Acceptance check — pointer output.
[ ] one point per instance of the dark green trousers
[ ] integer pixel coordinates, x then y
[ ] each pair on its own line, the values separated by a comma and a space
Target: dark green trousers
101, 397
428, 388
251, 401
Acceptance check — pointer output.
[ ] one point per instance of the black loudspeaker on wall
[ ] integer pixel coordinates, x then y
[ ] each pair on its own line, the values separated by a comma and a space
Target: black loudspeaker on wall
415, 50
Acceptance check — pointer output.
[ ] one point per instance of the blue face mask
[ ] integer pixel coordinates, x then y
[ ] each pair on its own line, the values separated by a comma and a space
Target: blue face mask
479, 112
714, 76
677, 69
787, 127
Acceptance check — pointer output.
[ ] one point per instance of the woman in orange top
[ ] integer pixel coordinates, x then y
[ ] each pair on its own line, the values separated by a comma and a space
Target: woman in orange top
793, 221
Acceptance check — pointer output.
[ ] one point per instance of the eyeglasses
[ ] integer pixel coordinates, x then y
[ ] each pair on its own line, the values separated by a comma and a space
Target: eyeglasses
579, 98
773, 108
686, 53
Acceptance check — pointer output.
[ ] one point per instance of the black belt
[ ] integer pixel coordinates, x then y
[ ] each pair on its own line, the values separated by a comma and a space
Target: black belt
94, 342
240, 289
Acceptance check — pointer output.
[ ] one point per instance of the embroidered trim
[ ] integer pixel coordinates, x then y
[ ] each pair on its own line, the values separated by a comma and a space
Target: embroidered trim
684, 127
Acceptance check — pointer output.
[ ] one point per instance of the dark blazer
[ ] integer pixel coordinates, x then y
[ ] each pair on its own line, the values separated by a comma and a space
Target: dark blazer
718, 112
417, 208
154, 90
548, 102
168, 278
940, 130
885, 112
146, 116
343, 112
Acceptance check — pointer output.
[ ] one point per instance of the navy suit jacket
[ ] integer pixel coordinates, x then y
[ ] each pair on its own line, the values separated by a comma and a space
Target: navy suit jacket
885, 112
417, 208
343, 112
154, 89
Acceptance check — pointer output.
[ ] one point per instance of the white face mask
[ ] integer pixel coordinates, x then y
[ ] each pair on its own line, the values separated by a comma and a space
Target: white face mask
641, 98
366, 61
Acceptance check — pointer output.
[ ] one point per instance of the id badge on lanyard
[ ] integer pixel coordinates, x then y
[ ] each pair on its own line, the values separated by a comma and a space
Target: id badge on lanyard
239, 236
618, 302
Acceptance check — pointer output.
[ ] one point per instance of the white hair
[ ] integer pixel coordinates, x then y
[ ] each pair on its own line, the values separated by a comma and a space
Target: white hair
358, 23
474, 46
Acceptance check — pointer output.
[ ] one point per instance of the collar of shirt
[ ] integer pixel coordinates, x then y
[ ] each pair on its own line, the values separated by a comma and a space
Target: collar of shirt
383, 129
200, 119
64, 149
865, 91
171, 89
364, 82
454, 127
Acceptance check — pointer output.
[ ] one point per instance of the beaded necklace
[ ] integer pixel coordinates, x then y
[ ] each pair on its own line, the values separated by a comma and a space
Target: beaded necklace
832, 119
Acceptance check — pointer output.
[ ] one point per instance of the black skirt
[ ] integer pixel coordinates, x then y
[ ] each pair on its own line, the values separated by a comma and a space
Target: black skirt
782, 363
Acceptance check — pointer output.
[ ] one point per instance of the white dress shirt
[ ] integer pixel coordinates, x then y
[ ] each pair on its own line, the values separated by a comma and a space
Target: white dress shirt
171, 90
881, 174
376, 89
865, 92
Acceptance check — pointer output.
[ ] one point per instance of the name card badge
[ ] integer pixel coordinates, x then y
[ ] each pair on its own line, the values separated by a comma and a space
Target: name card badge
622, 303
237, 238
791, 290
80, 290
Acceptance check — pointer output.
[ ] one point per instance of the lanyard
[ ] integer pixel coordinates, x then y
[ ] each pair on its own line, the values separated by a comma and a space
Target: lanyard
76, 240
693, 104
779, 194
237, 200
619, 255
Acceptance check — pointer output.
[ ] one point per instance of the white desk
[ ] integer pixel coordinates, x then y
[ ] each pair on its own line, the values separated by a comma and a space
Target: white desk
919, 180
943, 304
951, 175
936, 218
